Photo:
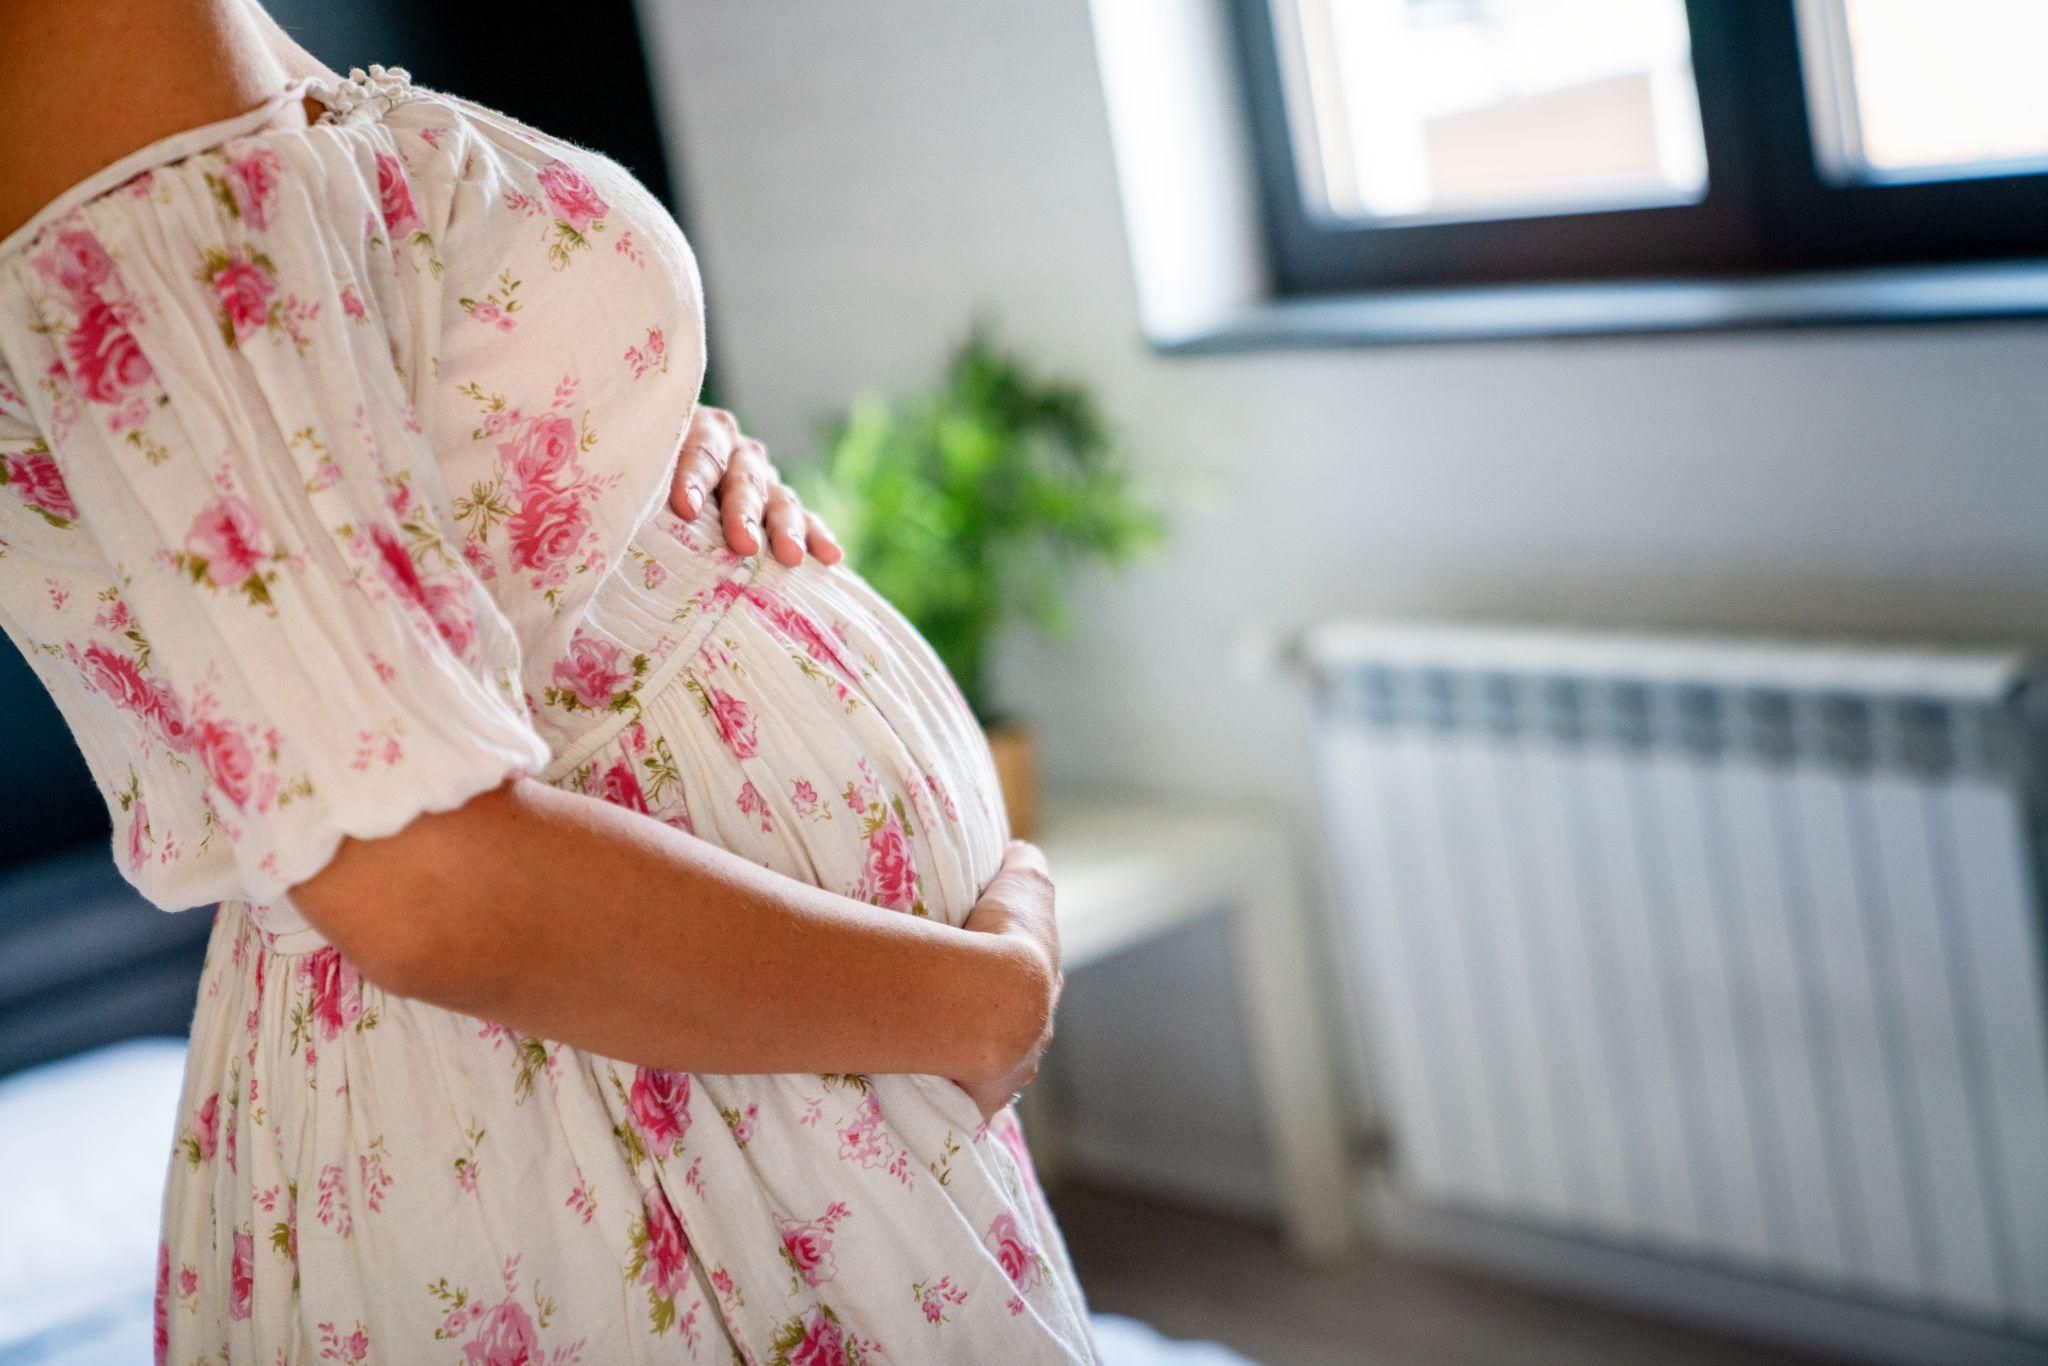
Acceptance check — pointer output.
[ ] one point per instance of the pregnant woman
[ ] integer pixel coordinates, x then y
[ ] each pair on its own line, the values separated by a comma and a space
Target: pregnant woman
618, 958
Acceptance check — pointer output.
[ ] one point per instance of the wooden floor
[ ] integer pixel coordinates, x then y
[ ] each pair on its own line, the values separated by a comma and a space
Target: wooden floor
1201, 1276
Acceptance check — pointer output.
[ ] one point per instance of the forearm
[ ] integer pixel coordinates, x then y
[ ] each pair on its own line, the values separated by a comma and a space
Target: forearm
564, 917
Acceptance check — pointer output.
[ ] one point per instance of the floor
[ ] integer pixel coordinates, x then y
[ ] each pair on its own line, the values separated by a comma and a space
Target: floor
1203, 1276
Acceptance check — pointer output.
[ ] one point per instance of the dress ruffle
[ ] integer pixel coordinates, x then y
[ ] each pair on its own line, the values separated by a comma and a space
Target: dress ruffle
382, 87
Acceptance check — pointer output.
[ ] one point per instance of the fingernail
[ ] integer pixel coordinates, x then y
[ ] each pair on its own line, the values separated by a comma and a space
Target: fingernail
693, 498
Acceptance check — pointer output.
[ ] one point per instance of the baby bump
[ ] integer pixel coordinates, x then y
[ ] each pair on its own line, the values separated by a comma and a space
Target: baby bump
790, 715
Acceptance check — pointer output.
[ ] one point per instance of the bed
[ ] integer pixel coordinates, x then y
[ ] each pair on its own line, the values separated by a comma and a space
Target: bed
95, 991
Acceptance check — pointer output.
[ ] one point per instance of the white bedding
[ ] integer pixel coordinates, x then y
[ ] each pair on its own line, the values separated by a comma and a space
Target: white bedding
83, 1143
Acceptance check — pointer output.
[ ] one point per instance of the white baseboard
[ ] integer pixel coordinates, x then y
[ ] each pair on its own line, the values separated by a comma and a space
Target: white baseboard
1812, 1320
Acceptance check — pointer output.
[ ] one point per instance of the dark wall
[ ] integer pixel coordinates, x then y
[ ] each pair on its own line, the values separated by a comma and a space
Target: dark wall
47, 798
585, 81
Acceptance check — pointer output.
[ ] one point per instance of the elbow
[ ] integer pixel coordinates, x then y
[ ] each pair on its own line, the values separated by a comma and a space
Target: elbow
406, 913
395, 938
406, 959
396, 962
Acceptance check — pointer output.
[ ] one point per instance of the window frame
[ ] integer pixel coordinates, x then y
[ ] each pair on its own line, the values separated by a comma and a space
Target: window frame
1770, 209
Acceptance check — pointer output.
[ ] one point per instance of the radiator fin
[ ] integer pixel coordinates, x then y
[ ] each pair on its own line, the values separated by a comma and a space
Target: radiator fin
1729, 950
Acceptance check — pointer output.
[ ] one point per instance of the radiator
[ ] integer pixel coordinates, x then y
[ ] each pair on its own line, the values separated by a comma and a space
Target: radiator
1728, 950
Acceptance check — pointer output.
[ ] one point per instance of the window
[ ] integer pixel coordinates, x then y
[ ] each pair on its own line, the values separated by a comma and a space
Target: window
1408, 145
1456, 109
1905, 90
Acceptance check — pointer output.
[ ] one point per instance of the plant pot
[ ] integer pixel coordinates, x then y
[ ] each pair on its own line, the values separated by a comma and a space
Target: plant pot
1015, 751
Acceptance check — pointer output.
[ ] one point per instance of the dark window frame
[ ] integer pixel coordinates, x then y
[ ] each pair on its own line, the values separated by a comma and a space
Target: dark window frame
1770, 210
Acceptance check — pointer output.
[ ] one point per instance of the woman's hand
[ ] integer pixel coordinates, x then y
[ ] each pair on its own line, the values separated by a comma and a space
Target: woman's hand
717, 459
1018, 903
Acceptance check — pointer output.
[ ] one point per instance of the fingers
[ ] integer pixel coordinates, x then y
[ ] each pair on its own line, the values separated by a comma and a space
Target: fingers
1024, 885
784, 520
707, 450
1019, 901
1019, 898
820, 540
760, 512
1022, 856
744, 495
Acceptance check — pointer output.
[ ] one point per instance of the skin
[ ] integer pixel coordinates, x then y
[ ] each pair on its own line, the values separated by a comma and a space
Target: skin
694, 958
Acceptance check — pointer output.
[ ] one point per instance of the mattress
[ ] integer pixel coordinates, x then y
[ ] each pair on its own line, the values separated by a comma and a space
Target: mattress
84, 1142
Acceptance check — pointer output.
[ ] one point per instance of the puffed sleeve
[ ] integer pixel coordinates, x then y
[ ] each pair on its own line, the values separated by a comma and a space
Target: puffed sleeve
229, 349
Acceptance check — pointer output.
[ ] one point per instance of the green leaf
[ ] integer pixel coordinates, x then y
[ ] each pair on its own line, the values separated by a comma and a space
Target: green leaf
970, 505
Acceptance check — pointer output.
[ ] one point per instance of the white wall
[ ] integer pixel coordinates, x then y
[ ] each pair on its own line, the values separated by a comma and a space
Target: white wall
859, 177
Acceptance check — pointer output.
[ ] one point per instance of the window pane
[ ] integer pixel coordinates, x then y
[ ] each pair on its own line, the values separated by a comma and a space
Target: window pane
1908, 89
1450, 109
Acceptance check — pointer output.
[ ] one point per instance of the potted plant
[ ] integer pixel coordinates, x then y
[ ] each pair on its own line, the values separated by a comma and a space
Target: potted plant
968, 506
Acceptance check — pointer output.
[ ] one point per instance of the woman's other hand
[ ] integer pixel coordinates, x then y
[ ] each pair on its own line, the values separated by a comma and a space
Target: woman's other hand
719, 460
1018, 903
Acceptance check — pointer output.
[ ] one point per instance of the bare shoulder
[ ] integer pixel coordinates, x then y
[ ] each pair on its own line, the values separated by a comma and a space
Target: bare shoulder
84, 84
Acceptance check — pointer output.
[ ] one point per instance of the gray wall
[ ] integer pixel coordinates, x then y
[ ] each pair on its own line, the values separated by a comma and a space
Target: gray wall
860, 177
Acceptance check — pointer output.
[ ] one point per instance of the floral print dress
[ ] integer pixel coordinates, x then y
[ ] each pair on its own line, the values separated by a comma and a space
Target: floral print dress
333, 474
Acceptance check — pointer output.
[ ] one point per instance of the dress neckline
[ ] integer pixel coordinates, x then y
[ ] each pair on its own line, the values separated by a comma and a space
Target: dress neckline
379, 88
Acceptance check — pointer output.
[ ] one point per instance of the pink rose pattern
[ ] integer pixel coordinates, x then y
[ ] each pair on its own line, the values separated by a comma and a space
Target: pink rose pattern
660, 1106
334, 998
649, 358
504, 1337
541, 514
573, 198
817, 1338
807, 1244
99, 359
620, 786
250, 182
938, 1298
574, 210
501, 1331
660, 1261
752, 803
75, 265
595, 675
548, 528
106, 361
802, 630
246, 285
201, 1139
542, 494
242, 1276
731, 715
640, 775
120, 680
162, 1312
394, 197
1014, 1252
227, 548
441, 600
36, 480
888, 876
